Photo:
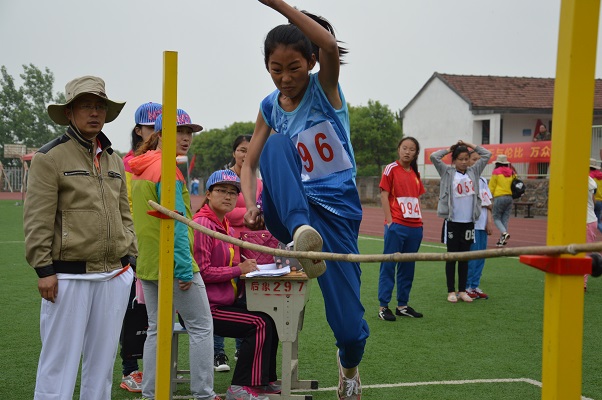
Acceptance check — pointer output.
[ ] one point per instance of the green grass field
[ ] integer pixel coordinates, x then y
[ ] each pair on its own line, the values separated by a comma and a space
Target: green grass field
490, 349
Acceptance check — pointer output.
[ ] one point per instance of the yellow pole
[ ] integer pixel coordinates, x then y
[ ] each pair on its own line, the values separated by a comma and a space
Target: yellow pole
166, 236
571, 142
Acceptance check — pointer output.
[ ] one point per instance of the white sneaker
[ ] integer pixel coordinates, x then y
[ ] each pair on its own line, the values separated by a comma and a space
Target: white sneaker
349, 389
307, 238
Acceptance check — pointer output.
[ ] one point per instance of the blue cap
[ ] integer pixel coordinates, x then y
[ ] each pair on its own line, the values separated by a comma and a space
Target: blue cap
224, 177
147, 113
182, 119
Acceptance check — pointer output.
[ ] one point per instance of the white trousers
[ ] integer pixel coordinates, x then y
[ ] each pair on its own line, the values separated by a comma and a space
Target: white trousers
85, 319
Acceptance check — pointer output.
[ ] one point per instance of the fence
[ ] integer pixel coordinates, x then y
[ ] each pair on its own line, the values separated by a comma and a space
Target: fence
12, 179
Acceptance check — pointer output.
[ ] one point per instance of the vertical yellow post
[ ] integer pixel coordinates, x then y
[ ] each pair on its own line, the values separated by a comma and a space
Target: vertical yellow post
571, 142
166, 236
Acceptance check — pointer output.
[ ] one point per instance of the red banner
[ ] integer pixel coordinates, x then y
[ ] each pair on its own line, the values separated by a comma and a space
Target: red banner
522, 152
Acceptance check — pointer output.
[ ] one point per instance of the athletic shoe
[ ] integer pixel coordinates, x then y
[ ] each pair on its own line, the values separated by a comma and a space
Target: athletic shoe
408, 312
504, 238
220, 362
452, 298
480, 294
236, 354
236, 392
349, 389
307, 238
386, 314
132, 382
272, 388
499, 243
464, 297
472, 293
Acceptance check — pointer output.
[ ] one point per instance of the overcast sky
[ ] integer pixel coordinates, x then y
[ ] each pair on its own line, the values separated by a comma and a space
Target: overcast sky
395, 46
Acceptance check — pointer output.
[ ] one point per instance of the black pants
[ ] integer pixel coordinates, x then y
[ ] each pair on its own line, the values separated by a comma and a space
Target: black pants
256, 363
458, 236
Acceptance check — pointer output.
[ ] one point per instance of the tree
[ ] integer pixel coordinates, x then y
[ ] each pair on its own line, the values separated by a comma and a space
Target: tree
23, 116
375, 132
213, 149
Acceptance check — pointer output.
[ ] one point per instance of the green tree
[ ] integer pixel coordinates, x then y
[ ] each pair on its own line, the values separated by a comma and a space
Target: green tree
375, 132
213, 148
23, 116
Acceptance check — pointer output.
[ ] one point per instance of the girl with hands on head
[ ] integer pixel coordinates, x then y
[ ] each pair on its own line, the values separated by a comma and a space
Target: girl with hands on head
460, 206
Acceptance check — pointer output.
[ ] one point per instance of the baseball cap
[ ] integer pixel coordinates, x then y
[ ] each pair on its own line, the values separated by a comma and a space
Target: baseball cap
224, 177
182, 119
147, 113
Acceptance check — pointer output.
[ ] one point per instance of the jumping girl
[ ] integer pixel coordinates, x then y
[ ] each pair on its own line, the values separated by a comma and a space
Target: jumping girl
460, 205
308, 171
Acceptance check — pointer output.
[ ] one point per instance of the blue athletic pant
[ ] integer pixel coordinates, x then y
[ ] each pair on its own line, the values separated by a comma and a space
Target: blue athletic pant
475, 267
285, 208
398, 239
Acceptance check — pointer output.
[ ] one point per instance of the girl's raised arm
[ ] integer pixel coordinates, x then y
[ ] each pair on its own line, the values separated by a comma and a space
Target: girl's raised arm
329, 60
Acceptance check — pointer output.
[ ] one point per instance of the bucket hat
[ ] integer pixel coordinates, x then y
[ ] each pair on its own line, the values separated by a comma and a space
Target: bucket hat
225, 177
593, 163
182, 119
80, 86
502, 159
147, 114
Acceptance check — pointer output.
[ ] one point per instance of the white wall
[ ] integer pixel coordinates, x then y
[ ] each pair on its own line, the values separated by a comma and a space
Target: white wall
438, 117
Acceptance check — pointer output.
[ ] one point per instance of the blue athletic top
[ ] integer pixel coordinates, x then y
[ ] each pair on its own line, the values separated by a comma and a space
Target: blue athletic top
321, 135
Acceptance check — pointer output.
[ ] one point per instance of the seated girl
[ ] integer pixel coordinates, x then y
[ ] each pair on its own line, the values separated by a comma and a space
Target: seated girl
255, 370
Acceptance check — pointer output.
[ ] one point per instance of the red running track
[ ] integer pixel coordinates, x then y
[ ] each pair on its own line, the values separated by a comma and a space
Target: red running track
523, 231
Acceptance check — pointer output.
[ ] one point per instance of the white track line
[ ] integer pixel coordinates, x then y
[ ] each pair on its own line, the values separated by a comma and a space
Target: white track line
458, 382
414, 384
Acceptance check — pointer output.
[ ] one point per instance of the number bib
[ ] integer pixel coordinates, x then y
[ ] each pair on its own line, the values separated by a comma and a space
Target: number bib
321, 152
463, 187
410, 207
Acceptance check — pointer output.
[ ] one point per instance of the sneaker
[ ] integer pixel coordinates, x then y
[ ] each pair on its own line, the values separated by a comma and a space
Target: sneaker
504, 238
236, 353
472, 293
386, 314
408, 311
307, 238
452, 298
349, 389
236, 392
499, 243
132, 382
220, 362
464, 297
480, 294
272, 388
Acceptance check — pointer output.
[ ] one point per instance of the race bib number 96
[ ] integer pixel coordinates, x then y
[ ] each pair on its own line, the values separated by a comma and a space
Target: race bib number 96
410, 207
321, 152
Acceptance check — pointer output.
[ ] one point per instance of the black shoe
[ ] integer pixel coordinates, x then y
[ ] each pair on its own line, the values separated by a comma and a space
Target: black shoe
386, 315
236, 353
220, 362
408, 312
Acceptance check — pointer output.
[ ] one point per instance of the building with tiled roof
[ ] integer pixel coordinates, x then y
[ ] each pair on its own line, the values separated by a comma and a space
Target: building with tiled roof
483, 109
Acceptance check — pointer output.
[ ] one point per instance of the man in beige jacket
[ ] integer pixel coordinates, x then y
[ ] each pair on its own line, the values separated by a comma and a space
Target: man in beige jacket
79, 237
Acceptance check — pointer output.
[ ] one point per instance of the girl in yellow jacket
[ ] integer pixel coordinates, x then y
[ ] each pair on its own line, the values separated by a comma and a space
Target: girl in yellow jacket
500, 186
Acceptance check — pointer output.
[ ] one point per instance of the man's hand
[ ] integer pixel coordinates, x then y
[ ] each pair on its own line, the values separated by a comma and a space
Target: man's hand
48, 287
184, 285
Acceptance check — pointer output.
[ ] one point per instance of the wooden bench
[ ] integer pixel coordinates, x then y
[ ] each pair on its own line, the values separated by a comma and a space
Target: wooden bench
524, 204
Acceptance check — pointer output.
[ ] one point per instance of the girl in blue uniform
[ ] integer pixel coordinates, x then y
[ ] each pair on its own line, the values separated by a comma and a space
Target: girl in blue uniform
308, 172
